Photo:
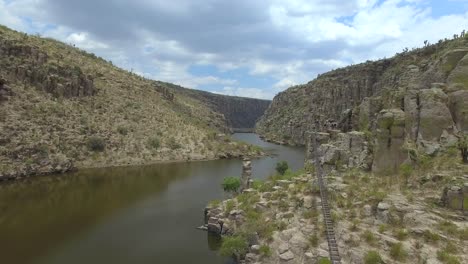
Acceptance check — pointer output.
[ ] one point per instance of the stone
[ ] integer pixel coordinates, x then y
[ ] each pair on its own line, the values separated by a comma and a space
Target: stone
367, 210
308, 202
283, 247
309, 256
455, 197
287, 256
299, 241
255, 249
251, 258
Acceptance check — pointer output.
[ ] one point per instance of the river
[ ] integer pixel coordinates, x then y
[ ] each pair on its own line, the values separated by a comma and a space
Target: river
142, 214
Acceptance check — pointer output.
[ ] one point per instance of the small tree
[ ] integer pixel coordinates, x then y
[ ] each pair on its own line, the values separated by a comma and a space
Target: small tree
231, 184
463, 147
282, 167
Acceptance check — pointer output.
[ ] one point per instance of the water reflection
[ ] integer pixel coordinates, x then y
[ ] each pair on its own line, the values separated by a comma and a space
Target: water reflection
121, 215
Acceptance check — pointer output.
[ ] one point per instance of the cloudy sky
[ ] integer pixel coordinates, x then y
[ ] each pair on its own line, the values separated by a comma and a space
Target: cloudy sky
242, 47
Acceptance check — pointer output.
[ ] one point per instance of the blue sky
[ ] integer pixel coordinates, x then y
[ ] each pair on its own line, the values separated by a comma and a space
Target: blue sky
245, 48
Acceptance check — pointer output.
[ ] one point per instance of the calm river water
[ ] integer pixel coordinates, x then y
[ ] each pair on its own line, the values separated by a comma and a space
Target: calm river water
134, 215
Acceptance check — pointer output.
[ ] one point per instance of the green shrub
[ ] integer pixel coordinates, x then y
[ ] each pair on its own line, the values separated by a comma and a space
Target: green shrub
154, 142
282, 167
265, 250
96, 144
373, 257
369, 237
397, 252
445, 257
324, 261
382, 228
401, 234
173, 144
122, 130
430, 237
234, 246
231, 184
313, 240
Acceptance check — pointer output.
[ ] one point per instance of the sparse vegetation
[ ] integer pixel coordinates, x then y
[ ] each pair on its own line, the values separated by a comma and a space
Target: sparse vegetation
373, 257
96, 144
265, 250
398, 252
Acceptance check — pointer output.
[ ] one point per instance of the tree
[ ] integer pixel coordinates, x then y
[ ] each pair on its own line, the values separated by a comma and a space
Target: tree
463, 147
282, 167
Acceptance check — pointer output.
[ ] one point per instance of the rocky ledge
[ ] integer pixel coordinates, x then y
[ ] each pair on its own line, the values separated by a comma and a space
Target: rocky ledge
390, 219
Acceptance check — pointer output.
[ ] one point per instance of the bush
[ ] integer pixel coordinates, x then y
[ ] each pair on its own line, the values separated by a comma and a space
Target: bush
324, 261
122, 130
401, 234
445, 257
265, 250
154, 142
373, 257
173, 144
430, 237
369, 237
231, 184
96, 144
282, 167
397, 252
313, 240
234, 246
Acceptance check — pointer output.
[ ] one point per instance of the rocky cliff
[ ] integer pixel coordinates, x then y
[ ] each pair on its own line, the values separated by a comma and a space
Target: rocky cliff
415, 100
61, 107
241, 113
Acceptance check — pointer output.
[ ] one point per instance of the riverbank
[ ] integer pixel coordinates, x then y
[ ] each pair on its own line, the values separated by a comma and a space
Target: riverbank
67, 165
385, 219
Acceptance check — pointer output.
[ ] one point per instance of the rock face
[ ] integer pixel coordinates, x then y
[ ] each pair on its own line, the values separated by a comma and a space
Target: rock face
28, 64
418, 97
240, 113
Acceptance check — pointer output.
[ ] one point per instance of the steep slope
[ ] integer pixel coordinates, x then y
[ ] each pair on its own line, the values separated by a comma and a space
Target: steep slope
61, 107
417, 98
241, 113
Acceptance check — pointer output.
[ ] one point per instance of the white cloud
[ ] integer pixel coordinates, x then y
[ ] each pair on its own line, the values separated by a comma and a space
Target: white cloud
289, 42
246, 92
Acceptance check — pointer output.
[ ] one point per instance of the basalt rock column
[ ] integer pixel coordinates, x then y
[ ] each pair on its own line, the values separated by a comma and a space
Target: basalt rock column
246, 174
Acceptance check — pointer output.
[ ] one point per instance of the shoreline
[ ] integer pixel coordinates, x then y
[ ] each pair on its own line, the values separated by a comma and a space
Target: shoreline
17, 178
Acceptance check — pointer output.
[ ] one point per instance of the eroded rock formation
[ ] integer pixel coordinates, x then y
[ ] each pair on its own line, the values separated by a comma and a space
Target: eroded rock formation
415, 98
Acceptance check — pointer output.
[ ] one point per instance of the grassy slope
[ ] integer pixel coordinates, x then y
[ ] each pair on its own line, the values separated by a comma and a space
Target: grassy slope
39, 131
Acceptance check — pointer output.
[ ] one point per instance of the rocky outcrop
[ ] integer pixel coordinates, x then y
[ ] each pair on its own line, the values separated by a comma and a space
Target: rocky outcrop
416, 97
29, 65
456, 197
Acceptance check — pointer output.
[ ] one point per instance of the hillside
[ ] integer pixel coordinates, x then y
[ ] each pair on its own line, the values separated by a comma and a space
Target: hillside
61, 107
241, 113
